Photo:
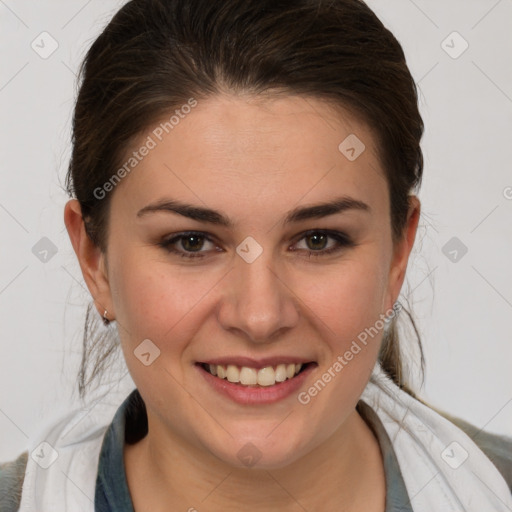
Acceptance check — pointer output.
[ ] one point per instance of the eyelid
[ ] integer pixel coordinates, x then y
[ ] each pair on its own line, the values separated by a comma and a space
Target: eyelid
328, 232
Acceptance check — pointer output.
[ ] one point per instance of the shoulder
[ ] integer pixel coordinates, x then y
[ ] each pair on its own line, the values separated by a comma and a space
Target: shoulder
11, 481
498, 448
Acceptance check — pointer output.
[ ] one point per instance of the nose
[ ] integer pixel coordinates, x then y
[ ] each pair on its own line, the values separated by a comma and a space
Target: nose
258, 304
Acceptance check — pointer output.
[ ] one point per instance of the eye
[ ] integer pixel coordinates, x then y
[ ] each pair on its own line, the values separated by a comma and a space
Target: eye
190, 244
319, 241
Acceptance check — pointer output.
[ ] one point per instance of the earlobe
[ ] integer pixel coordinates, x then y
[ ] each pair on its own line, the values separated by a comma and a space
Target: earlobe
90, 257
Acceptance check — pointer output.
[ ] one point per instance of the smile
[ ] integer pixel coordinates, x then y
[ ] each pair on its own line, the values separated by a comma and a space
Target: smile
255, 382
247, 376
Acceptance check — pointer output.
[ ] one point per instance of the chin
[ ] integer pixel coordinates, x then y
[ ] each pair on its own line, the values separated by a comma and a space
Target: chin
259, 451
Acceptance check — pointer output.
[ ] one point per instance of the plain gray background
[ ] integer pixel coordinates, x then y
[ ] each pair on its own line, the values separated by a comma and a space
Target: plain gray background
463, 307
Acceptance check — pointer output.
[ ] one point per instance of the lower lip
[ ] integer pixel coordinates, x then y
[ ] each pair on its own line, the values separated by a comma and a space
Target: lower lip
248, 395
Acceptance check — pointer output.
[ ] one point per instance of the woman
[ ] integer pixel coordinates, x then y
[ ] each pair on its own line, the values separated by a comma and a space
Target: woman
214, 146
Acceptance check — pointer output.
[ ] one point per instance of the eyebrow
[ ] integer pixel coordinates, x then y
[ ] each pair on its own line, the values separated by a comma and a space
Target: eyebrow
298, 214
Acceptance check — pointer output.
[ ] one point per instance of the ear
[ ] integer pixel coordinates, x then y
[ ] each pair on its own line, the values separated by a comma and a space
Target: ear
401, 252
91, 259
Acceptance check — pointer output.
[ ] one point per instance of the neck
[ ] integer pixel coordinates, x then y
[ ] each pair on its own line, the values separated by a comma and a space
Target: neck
345, 473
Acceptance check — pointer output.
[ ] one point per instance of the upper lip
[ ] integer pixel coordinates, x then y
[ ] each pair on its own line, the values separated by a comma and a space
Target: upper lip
256, 363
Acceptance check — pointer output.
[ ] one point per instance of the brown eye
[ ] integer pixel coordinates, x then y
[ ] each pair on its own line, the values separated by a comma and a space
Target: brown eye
317, 242
190, 244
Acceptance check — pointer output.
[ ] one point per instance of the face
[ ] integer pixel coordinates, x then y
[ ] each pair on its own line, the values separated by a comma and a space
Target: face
248, 288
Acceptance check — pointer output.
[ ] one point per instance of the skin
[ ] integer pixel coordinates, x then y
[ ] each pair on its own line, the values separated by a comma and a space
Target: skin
254, 159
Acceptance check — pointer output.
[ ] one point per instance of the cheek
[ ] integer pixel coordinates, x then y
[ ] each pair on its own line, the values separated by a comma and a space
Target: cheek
348, 300
349, 305
156, 300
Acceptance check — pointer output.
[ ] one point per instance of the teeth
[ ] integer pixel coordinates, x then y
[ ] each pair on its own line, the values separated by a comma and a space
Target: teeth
246, 376
267, 376
233, 373
281, 373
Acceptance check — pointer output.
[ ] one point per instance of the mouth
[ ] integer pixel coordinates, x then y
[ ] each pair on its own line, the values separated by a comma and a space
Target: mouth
257, 383
256, 377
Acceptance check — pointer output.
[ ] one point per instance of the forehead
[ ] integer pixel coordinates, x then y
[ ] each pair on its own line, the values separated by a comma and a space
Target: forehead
250, 152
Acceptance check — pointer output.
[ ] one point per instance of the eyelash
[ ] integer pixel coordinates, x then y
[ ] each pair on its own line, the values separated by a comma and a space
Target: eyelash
343, 241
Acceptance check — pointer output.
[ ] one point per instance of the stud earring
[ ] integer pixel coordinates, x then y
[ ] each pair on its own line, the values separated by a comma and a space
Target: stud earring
106, 321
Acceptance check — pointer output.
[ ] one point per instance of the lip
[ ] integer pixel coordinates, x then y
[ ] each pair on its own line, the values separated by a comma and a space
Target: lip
256, 363
247, 395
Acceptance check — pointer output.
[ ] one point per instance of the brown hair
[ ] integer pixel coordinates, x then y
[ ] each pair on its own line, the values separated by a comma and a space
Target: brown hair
155, 55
